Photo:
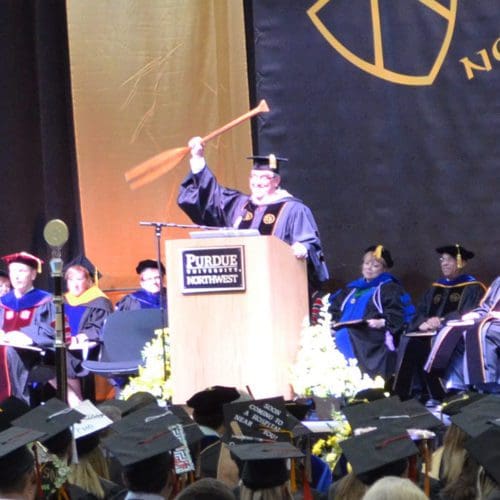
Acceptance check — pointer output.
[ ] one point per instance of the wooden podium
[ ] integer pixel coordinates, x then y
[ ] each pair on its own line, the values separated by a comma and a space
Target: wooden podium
242, 338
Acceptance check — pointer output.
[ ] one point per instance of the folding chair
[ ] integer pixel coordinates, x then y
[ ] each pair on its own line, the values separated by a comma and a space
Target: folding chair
123, 337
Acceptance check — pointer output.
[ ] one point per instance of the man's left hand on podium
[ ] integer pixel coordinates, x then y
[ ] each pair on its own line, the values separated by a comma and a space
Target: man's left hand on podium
299, 250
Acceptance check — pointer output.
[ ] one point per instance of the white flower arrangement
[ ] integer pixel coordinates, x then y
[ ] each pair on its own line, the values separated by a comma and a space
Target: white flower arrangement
151, 377
320, 368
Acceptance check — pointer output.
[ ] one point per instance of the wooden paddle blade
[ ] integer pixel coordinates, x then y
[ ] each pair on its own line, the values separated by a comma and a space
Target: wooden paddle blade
169, 159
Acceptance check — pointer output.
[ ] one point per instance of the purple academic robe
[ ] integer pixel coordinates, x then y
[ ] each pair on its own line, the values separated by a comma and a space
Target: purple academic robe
208, 203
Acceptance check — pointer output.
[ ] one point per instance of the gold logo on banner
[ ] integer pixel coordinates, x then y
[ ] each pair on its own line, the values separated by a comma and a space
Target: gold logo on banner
377, 67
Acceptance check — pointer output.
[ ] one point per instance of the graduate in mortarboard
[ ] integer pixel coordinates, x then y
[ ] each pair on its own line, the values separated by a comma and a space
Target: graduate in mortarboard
152, 294
26, 314
454, 294
370, 314
269, 208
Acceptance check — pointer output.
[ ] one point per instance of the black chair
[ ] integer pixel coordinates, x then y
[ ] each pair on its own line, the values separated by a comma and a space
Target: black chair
123, 337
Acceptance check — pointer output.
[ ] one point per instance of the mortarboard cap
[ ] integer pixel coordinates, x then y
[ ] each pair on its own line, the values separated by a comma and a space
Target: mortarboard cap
24, 258
378, 453
50, 418
271, 163
380, 252
264, 464
10, 409
391, 412
485, 449
479, 416
212, 399
455, 251
15, 457
140, 443
84, 262
456, 403
149, 264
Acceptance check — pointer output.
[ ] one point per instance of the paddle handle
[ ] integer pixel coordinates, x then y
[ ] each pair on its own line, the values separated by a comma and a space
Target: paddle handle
261, 108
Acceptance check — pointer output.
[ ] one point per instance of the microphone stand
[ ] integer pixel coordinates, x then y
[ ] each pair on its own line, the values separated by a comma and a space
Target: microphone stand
56, 266
163, 306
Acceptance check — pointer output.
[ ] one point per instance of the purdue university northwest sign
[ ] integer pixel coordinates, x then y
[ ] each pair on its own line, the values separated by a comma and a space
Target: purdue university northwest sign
213, 269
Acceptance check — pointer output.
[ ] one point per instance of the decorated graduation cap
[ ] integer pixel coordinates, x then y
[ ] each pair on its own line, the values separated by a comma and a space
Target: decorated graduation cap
149, 264
271, 163
457, 251
260, 418
485, 449
381, 253
15, 458
83, 261
24, 258
141, 442
51, 418
456, 403
379, 453
264, 464
479, 416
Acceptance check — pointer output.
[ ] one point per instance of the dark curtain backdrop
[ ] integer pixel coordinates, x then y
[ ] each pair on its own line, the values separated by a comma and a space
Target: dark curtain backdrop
411, 167
37, 151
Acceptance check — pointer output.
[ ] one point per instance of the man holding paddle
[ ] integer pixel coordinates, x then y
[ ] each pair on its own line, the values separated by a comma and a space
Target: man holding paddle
269, 208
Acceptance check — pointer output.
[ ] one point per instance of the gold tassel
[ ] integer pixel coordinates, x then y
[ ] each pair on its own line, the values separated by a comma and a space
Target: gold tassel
272, 162
96, 277
39, 267
293, 478
377, 253
460, 262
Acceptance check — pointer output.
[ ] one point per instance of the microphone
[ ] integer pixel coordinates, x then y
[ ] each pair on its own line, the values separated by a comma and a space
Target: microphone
56, 234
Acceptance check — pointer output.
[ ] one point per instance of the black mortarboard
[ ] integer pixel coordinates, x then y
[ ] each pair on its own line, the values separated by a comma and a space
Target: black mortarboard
83, 261
480, 416
485, 449
50, 418
456, 403
378, 453
299, 408
149, 264
10, 409
15, 458
24, 258
93, 421
368, 396
391, 412
152, 414
212, 399
455, 251
264, 463
380, 252
192, 430
271, 162
140, 443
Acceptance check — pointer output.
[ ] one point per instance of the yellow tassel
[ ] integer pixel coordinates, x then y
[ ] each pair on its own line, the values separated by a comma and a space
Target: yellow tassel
272, 162
96, 277
460, 262
39, 267
377, 253
293, 479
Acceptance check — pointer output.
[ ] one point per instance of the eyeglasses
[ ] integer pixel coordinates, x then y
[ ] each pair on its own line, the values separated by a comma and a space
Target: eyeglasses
260, 177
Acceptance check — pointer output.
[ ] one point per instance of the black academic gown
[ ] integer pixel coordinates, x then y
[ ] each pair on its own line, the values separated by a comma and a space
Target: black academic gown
480, 342
208, 203
446, 299
371, 347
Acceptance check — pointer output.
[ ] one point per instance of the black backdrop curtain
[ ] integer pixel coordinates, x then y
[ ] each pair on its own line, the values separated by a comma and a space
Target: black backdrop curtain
409, 166
37, 151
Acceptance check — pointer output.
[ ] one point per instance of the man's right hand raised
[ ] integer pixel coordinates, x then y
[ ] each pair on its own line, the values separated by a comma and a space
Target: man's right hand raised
197, 160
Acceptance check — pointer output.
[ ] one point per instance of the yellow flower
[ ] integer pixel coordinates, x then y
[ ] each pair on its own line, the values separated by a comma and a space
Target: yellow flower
317, 449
